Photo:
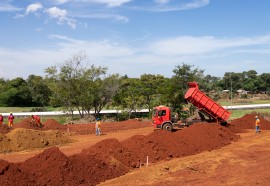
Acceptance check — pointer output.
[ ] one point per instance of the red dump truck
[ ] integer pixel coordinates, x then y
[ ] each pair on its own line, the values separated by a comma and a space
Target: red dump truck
208, 110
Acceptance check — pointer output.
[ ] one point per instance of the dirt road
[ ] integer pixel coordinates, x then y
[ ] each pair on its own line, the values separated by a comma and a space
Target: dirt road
245, 162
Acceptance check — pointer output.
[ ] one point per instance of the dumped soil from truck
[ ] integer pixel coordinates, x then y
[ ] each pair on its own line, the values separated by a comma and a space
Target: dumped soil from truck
248, 122
110, 158
24, 139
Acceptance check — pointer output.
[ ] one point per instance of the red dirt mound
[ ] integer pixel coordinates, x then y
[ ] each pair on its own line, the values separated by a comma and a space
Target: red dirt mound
4, 129
49, 124
248, 122
10, 174
25, 123
52, 167
163, 145
24, 139
93, 169
112, 148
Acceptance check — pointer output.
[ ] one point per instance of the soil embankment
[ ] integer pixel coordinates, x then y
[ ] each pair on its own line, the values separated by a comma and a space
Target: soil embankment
111, 158
21, 139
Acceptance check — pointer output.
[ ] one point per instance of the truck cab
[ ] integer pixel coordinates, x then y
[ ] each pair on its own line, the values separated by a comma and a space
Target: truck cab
162, 118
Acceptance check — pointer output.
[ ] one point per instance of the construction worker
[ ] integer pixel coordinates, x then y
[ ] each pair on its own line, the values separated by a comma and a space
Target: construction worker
1, 120
257, 124
36, 120
10, 120
98, 127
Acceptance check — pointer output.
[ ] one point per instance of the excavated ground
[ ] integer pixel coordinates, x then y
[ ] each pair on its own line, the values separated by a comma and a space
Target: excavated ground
109, 158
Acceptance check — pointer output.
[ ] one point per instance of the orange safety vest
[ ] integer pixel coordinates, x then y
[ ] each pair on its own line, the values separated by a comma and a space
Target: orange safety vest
257, 123
97, 124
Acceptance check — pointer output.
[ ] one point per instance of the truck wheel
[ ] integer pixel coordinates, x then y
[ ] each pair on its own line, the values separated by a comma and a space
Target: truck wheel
167, 127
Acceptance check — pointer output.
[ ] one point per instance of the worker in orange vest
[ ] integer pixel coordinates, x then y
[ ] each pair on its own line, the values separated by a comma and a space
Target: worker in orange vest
36, 120
97, 126
257, 124
10, 120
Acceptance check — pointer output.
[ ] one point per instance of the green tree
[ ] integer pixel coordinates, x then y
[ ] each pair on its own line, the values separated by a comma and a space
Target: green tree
178, 84
233, 81
211, 83
17, 93
129, 95
251, 81
264, 82
150, 89
77, 86
40, 91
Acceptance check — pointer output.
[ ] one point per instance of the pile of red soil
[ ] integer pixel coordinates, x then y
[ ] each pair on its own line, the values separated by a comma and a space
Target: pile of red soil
248, 122
49, 124
4, 129
111, 158
108, 126
163, 145
24, 139
25, 123
52, 167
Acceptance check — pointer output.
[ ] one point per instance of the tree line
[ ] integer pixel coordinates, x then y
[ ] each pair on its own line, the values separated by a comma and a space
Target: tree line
78, 86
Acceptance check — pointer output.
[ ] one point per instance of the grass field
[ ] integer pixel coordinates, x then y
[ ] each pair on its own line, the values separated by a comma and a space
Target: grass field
244, 102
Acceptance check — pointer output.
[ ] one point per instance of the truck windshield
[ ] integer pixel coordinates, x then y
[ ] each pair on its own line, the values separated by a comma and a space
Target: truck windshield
162, 113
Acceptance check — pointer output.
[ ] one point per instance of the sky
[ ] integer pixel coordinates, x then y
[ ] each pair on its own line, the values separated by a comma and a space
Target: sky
135, 37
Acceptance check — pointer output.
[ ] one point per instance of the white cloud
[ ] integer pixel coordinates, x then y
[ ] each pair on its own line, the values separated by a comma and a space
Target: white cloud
57, 13
162, 1
217, 55
38, 29
61, 1
65, 38
96, 49
196, 4
111, 3
172, 5
5, 6
116, 17
187, 45
61, 16
32, 8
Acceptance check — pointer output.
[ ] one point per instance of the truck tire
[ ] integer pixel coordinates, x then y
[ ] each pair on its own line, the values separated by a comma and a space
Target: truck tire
168, 127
